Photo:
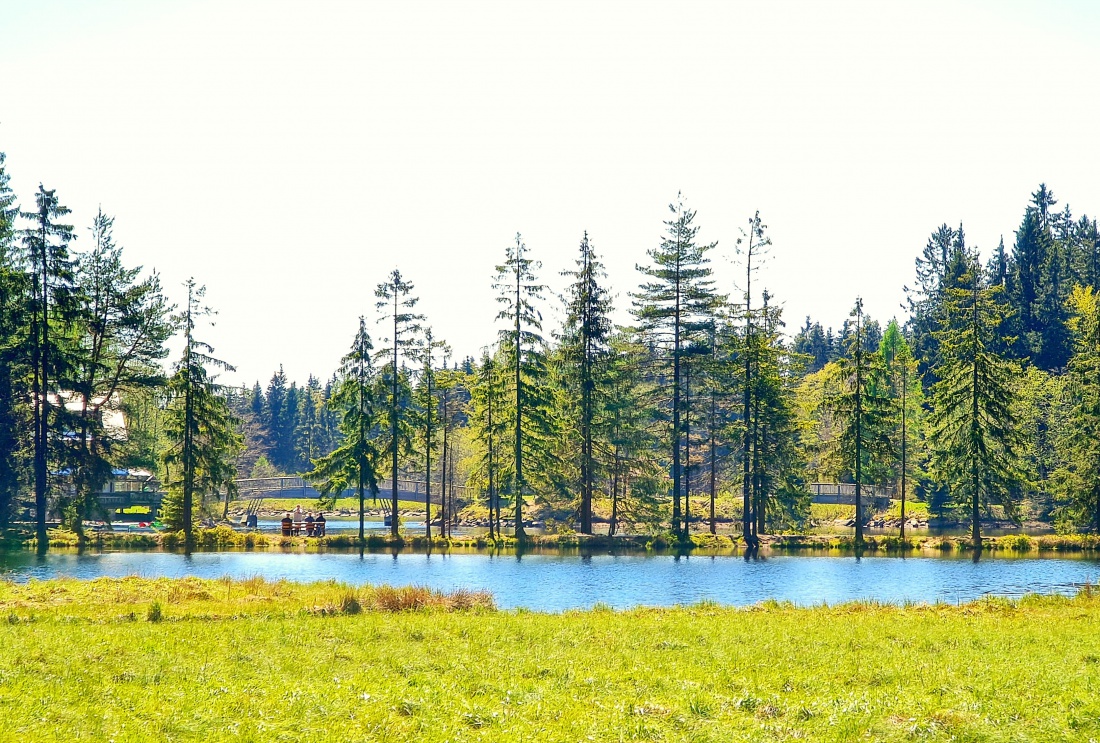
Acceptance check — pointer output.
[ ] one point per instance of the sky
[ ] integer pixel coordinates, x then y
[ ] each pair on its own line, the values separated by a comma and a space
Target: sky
288, 156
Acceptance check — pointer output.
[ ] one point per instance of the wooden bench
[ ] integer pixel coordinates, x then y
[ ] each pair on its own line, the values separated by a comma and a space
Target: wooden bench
297, 528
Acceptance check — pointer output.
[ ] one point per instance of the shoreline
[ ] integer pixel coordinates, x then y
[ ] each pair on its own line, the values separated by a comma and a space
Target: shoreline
225, 538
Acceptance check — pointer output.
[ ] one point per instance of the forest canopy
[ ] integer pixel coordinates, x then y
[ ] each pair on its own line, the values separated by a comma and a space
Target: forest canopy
981, 402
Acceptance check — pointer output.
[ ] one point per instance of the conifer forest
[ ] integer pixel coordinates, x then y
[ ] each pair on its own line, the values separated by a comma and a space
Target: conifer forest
708, 411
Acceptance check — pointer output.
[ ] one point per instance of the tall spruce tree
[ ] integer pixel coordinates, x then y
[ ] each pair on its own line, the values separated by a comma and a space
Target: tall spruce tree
636, 474
1078, 477
585, 350
123, 329
275, 417
777, 477
489, 428
753, 245
863, 411
14, 363
674, 305
428, 404
396, 303
356, 462
905, 388
518, 291
199, 425
53, 308
975, 438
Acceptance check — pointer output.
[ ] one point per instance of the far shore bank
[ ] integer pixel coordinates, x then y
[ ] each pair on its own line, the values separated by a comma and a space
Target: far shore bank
226, 538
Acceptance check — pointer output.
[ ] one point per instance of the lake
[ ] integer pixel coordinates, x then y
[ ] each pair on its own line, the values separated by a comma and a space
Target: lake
559, 582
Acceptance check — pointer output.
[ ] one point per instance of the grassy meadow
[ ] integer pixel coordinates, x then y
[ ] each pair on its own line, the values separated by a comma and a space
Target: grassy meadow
194, 660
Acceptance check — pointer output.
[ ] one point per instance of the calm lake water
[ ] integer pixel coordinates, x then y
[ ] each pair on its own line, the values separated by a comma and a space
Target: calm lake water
559, 582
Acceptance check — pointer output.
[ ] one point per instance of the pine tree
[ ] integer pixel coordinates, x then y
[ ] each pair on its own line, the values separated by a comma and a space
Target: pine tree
356, 462
754, 246
124, 326
777, 478
428, 405
863, 411
275, 410
584, 350
675, 304
518, 291
972, 428
908, 394
14, 363
938, 270
489, 429
53, 307
396, 303
635, 472
199, 425
1078, 477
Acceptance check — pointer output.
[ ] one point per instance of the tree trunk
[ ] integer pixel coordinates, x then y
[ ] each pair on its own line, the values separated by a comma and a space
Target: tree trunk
41, 400
393, 419
614, 496
519, 418
904, 441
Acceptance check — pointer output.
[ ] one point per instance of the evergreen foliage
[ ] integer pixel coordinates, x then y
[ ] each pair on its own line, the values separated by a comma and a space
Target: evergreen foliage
199, 425
863, 411
584, 353
974, 434
357, 461
673, 308
528, 399
1078, 477
396, 304
53, 304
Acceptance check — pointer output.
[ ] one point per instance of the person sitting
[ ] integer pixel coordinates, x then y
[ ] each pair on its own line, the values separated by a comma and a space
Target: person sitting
319, 525
287, 524
309, 524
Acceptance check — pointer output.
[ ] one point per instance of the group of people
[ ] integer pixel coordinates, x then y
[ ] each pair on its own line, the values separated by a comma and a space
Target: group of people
294, 523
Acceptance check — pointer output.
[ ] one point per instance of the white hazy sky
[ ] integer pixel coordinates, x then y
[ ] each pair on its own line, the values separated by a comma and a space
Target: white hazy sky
289, 155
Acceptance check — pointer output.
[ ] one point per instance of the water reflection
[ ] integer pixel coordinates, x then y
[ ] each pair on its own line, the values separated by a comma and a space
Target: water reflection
558, 582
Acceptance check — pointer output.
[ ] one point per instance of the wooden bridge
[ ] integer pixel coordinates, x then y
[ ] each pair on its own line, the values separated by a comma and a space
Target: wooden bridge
296, 487
844, 493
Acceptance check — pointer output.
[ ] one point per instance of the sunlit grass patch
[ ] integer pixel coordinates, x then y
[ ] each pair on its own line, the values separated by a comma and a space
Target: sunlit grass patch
257, 660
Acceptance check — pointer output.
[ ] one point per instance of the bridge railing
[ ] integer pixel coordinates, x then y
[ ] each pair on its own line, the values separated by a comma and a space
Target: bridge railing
259, 485
845, 492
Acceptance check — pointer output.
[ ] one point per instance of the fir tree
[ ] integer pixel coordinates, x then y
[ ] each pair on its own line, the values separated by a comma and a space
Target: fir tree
674, 304
14, 363
973, 432
584, 349
906, 390
518, 291
356, 462
53, 308
199, 425
428, 404
1078, 477
754, 246
863, 413
275, 410
396, 304
123, 329
489, 429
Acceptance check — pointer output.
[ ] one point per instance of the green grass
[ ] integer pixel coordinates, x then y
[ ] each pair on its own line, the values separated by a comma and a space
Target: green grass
191, 660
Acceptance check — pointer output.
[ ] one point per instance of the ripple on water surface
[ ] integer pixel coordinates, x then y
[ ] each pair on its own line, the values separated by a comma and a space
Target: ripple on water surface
555, 583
